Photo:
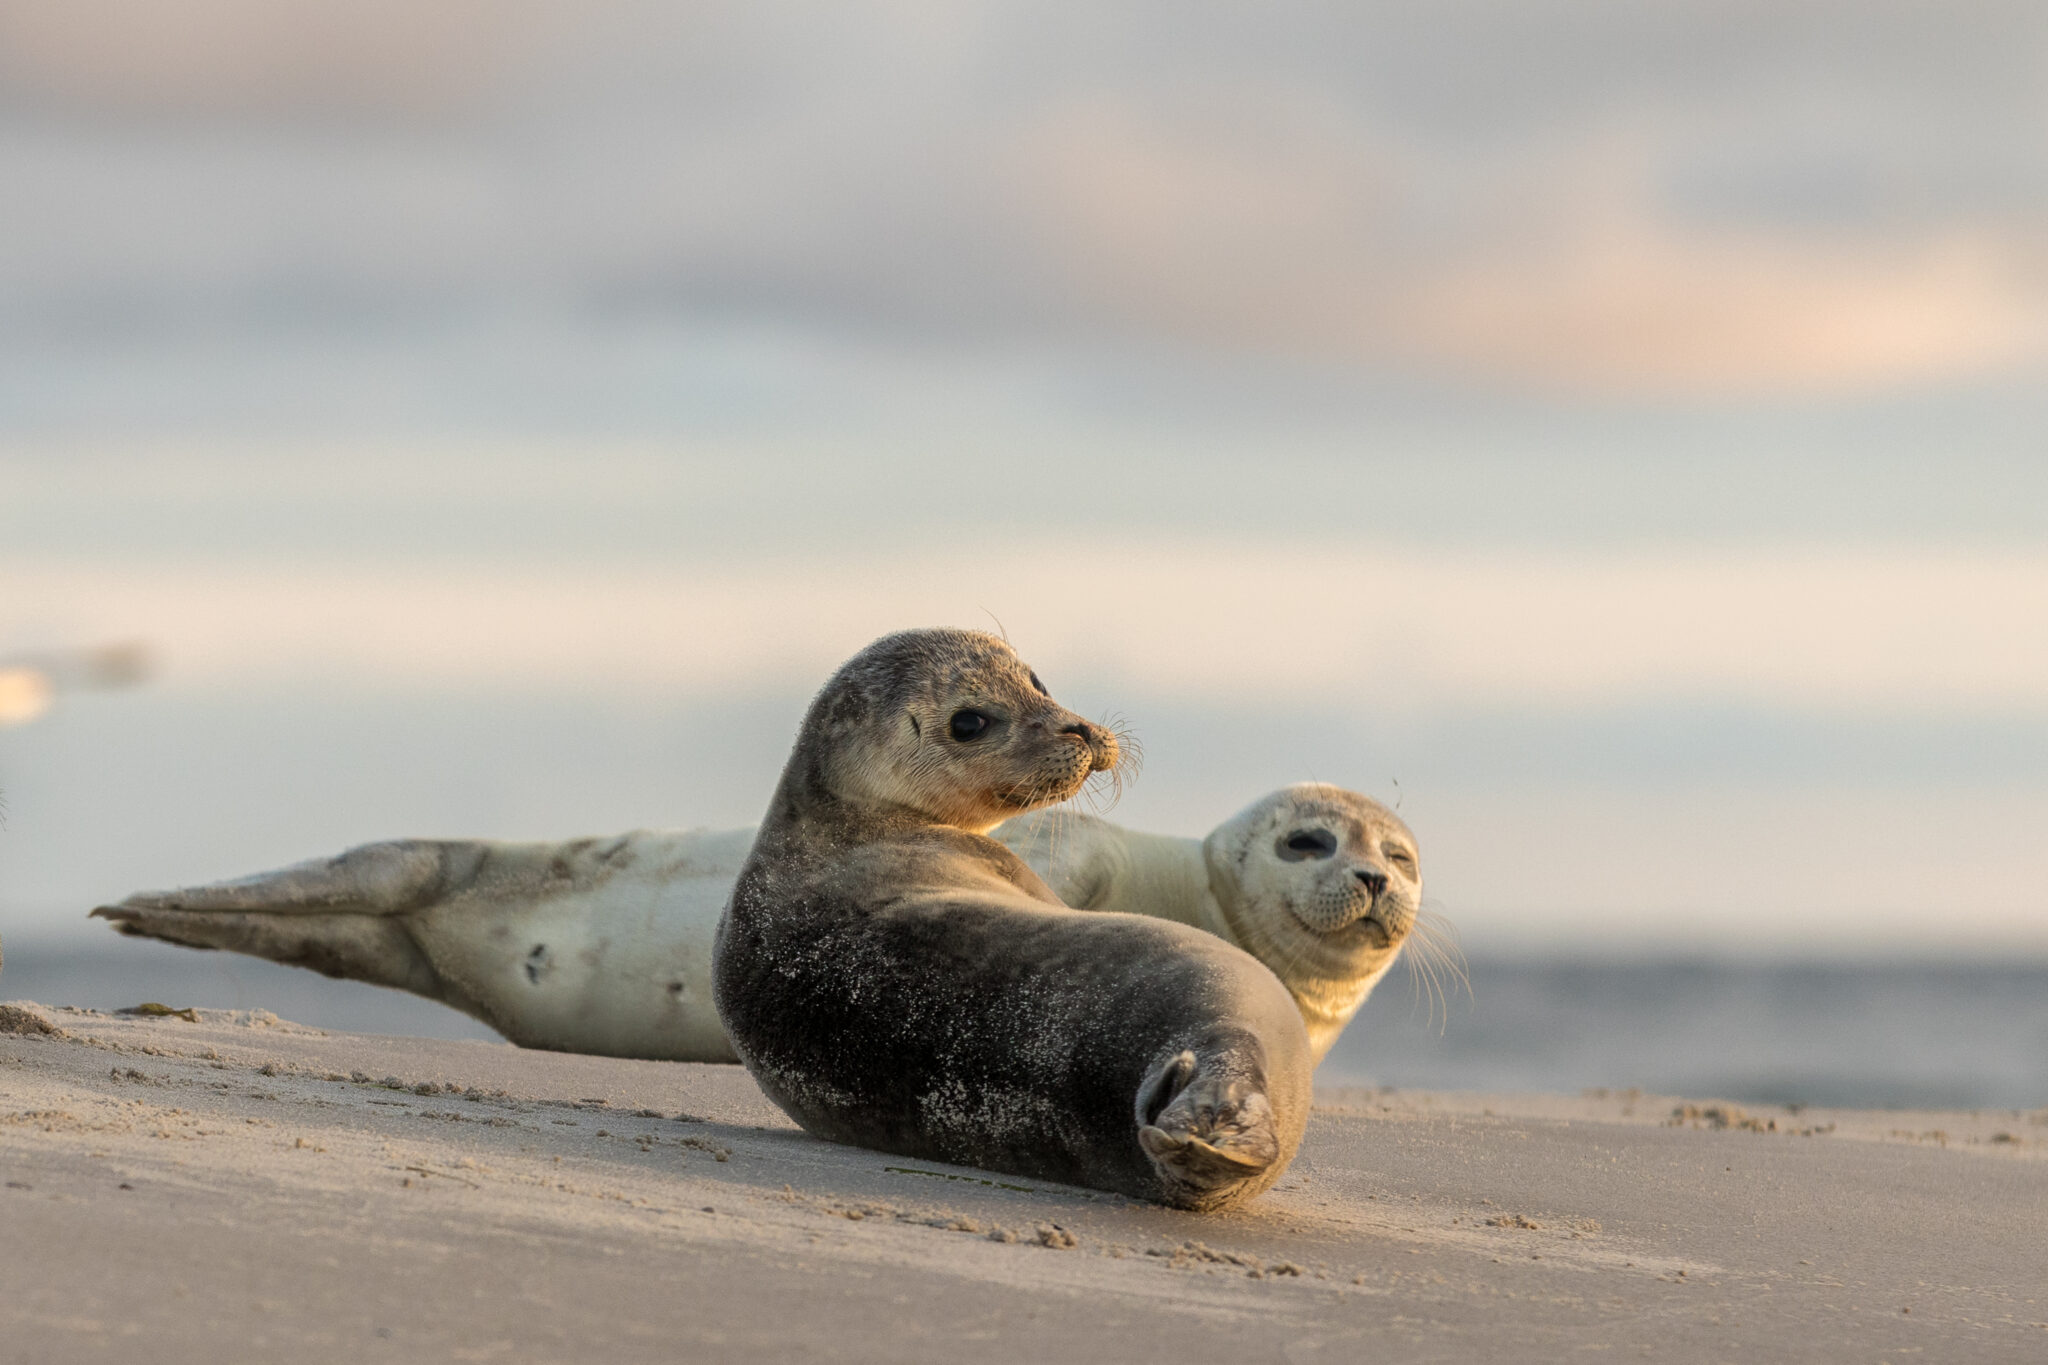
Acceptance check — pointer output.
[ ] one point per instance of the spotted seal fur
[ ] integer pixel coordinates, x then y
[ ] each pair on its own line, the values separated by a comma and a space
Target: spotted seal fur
894, 978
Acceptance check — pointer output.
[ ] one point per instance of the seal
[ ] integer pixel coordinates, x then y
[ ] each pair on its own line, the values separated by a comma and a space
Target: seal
604, 945
1319, 883
892, 977
590, 945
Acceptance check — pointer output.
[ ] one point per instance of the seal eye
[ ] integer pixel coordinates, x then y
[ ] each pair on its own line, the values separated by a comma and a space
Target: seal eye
1040, 686
1401, 858
966, 725
1306, 843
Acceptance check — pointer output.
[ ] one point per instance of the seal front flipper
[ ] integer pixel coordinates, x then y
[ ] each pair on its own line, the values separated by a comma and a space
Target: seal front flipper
342, 916
1207, 1132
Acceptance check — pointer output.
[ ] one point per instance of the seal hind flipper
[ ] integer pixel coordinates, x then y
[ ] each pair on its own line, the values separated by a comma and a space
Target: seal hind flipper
353, 947
342, 916
385, 878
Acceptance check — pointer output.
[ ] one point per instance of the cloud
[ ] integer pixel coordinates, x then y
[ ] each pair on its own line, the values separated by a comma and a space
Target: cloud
1739, 868
1658, 309
1572, 279
248, 57
1586, 198
1255, 624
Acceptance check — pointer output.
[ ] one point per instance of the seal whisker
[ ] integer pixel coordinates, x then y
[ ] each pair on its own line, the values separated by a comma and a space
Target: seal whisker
1440, 968
1130, 761
1056, 820
1422, 977
1415, 986
1130, 749
1437, 956
1438, 936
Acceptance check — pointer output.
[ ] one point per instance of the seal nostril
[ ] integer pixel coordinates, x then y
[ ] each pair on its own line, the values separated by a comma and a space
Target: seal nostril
1375, 880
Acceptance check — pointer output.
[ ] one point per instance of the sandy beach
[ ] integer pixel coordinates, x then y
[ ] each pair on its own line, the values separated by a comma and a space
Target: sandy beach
233, 1186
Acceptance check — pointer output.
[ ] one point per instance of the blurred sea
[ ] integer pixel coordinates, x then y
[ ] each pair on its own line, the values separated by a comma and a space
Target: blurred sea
1949, 1034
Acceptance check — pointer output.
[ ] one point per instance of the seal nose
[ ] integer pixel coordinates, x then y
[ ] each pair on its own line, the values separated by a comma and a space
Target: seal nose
1101, 744
1374, 879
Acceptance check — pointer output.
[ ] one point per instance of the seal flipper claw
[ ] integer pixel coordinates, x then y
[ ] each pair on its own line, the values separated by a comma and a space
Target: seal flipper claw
1196, 1162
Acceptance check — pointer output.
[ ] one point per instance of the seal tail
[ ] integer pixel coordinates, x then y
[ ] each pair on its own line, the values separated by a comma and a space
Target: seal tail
341, 916
1208, 1129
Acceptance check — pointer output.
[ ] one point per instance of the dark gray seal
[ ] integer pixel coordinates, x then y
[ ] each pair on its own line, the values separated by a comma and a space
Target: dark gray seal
893, 978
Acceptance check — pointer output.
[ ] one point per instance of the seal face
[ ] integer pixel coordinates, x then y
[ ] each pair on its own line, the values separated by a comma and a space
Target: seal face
893, 978
1325, 881
947, 727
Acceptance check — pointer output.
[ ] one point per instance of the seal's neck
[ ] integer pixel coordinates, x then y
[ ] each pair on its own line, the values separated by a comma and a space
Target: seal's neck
808, 814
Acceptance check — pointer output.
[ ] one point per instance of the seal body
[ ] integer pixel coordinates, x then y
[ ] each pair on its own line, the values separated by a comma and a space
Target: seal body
893, 978
604, 945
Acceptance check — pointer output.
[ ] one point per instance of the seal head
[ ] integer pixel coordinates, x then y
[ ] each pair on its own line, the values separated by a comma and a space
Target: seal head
940, 727
1325, 882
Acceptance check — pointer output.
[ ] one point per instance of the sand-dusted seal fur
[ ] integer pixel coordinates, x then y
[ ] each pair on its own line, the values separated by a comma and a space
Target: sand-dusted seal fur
892, 977
604, 945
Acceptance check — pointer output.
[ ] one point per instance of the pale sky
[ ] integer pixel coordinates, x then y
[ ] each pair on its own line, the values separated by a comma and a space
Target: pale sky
1613, 431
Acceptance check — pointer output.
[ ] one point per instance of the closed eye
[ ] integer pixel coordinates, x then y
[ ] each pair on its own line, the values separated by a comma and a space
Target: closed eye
1301, 844
1400, 857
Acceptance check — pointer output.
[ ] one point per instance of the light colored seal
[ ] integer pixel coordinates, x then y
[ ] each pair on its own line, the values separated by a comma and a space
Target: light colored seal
1319, 883
892, 977
593, 945
604, 945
